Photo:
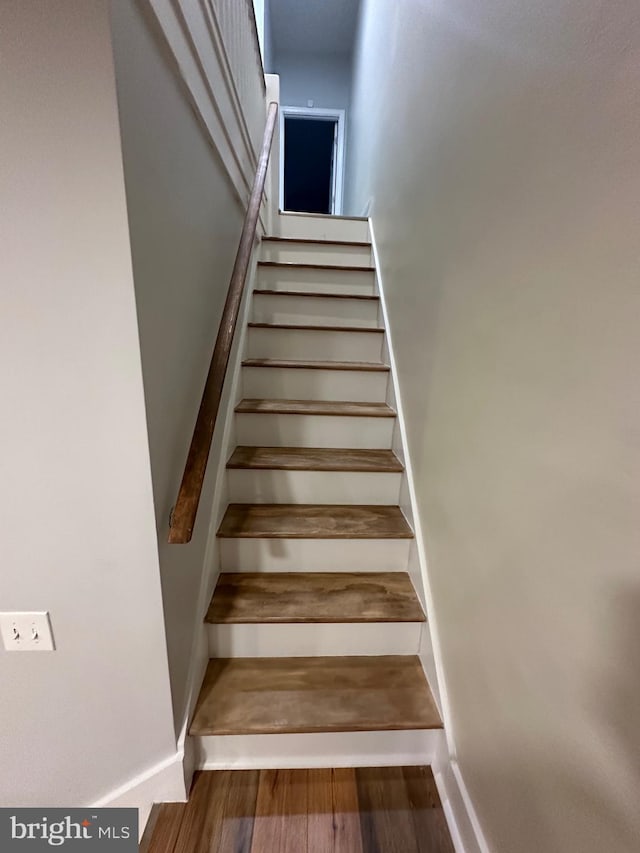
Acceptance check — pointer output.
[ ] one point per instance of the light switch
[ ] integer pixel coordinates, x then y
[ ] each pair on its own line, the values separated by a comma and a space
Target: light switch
26, 632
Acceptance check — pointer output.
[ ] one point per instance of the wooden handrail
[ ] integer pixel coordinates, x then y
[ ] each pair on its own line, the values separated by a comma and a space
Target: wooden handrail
184, 512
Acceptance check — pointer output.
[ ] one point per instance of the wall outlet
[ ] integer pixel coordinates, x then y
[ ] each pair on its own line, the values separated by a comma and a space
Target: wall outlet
26, 632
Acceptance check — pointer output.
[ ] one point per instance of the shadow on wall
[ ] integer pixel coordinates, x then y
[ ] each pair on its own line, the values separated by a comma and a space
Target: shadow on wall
620, 683
572, 811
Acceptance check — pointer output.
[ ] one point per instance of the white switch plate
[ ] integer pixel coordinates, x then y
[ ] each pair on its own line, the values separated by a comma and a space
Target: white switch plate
26, 632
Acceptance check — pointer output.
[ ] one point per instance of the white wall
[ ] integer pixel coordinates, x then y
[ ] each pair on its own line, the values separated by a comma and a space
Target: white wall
185, 223
268, 38
500, 141
260, 12
76, 503
263, 24
324, 79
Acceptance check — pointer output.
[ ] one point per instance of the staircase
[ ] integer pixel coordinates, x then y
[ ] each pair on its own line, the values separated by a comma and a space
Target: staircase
314, 627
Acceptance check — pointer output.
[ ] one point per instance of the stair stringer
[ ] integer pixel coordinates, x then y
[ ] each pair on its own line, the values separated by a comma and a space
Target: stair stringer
463, 823
225, 439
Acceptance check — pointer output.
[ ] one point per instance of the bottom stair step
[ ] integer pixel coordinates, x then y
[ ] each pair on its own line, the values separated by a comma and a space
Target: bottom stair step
314, 694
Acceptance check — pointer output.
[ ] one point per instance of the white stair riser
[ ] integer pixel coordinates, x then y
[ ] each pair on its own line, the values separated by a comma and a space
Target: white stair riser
316, 281
309, 227
311, 344
324, 749
314, 555
284, 383
314, 431
316, 253
312, 639
325, 487
322, 310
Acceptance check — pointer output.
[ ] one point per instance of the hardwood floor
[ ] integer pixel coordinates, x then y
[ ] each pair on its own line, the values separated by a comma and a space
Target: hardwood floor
363, 810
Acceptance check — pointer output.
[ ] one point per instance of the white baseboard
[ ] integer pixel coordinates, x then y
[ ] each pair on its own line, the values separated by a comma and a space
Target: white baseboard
221, 449
464, 826
430, 654
164, 782
463, 823
197, 669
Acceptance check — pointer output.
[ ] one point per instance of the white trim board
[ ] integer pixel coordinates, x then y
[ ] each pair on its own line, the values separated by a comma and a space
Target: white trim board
338, 169
164, 782
194, 37
319, 749
418, 566
463, 822
223, 444
464, 826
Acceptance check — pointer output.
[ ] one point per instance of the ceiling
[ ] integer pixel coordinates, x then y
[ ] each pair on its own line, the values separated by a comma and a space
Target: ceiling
314, 26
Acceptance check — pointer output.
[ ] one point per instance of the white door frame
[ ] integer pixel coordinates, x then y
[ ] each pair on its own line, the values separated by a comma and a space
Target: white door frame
338, 166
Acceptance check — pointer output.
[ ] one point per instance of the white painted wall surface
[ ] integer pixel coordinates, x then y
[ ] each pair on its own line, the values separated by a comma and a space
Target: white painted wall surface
260, 12
76, 503
263, 24
324, 79
185, 223
500, 142
268, 39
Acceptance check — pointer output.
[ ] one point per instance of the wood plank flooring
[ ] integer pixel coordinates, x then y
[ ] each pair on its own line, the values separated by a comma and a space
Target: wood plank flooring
315, 459
286, 597
342, 408
363, 810
314, 521
314, 694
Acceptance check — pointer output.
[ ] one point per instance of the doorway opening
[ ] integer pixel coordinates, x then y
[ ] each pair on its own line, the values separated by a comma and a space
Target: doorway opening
311, 160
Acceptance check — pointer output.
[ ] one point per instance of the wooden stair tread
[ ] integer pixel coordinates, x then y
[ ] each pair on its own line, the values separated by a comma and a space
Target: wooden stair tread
307, 327
314, 521
293, 597
315, 459
317, 365
316, 241
302, 265
315, 295
319, 694
337, 408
